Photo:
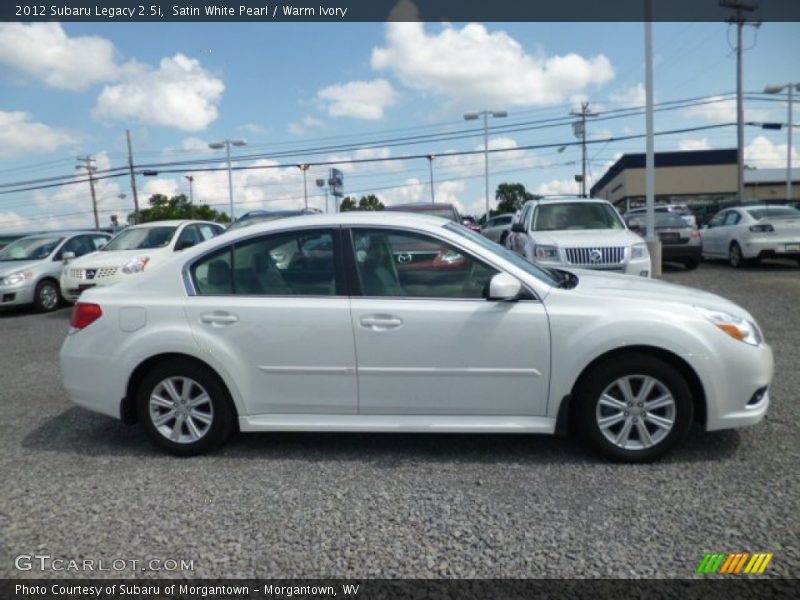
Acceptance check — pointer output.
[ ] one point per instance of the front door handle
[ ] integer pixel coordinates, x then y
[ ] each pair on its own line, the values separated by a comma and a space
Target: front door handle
219, 319
381, 322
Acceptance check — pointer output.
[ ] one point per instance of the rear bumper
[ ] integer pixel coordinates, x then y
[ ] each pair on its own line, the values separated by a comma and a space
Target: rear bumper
681, 252
771, 248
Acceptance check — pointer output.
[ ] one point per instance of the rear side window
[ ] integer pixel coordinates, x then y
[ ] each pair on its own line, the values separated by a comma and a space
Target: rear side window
289, 264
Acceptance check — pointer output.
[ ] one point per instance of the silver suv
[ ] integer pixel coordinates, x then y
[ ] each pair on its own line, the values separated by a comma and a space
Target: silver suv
583, 233
30, 267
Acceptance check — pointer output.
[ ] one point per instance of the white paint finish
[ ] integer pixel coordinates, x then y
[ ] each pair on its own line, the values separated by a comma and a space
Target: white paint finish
783, 239
288, 354
398, 423
132, 318
454, 347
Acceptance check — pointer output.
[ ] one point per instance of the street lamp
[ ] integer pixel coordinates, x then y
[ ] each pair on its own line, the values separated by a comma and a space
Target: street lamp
777, 89
190, 179
430, 158
227, 145
486, 114
304, 168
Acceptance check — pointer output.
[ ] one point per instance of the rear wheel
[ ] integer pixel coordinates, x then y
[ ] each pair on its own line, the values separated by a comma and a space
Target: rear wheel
184, 408
735, 257
46, 296
691, 265
633, 408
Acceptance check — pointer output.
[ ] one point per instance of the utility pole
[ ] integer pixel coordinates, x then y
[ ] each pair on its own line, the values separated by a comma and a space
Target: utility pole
430, 158
90, 169
133, 178
190, 179
651, 237
739, 6
580, 132
304, 168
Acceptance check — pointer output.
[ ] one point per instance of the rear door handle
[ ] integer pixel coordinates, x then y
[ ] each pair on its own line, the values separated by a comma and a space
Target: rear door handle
219, 319
381, 322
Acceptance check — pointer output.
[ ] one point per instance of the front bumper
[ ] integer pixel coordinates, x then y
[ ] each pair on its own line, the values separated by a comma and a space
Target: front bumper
17, 295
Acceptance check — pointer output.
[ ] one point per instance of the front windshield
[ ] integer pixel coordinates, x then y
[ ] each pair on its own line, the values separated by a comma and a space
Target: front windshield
495, 248
141, 238
773, 213
576, 216
30, 248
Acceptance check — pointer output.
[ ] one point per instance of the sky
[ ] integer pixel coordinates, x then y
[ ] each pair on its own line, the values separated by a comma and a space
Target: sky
321, 92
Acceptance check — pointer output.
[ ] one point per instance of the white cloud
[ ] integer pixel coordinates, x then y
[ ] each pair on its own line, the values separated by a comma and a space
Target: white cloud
303, 125
179, 93
19, 135
473, 67
358, 99
632, 97
45, 52
764, 154
719, 110
253, 128
14, 220
558, 187
694, 144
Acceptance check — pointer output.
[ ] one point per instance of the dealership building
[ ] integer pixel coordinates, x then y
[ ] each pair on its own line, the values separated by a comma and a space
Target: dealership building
705, 180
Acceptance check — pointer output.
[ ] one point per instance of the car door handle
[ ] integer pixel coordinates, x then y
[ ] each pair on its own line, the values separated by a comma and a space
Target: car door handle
381, 323
219, 319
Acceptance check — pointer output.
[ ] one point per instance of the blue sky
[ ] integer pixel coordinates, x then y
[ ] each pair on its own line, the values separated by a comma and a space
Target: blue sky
74, 89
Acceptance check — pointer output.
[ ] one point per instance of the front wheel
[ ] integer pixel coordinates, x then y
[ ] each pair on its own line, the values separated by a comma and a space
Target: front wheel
184, 408
633, 408
46, 296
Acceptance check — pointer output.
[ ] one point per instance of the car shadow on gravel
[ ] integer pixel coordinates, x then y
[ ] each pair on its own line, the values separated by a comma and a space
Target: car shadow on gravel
85, 433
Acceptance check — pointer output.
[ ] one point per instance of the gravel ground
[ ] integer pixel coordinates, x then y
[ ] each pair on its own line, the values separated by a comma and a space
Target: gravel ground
79, 485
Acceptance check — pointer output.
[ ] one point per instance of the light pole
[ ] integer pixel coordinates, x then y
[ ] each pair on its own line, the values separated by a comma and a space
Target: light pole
322, 183
227, 145
777, 89
304, 168
486, 114
190, 179
430, 158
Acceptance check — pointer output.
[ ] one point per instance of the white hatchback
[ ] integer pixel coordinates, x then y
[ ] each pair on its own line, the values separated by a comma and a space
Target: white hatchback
397, 322
131, 251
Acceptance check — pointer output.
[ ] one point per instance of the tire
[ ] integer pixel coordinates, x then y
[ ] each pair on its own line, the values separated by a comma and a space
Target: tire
46, 296
503, 238
650, 434
691, 265
202, 428
735, 257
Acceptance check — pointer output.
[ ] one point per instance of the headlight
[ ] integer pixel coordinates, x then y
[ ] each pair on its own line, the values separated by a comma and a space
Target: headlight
545, 253
638, 251
16, 278
135, 265
739, 329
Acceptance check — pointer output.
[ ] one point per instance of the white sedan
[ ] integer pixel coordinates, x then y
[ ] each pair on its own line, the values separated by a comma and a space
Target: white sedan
132, 251
747, 233
398, 322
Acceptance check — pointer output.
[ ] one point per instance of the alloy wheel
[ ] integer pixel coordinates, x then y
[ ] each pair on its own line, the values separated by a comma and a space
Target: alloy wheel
48, 296
181, 410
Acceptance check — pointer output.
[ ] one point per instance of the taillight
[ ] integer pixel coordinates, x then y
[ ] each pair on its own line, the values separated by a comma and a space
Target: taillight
85, 314
765, 228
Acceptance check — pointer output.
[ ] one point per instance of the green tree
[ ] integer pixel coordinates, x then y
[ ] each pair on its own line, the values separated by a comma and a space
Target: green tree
178, 207
370, 202
511, 196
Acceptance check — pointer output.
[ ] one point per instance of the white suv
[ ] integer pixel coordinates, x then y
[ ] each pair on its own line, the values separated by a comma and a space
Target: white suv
585, 233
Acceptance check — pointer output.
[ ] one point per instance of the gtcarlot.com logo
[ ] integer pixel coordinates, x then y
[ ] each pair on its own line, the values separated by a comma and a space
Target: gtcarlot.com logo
45, 562
734, 563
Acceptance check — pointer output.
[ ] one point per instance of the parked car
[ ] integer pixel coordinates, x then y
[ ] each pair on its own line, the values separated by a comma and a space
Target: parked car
222, 338
681, 210
578, 232
259, 216
471, 223
30, 267
680, 242
436, 209
131, 251
749, 233
497, 228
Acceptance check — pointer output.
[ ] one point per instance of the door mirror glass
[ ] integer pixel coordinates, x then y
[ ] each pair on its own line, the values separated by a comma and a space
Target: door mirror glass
504, 287
67, 256
517, 227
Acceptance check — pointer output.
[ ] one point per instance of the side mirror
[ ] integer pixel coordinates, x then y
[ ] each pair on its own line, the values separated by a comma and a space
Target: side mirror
504, 288
182, 245
517, 227
67, 256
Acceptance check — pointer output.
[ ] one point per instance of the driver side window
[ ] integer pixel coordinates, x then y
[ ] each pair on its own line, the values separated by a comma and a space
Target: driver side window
405, 264
717, 220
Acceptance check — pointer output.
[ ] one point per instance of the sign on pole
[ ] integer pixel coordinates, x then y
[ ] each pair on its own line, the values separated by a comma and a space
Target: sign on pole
336, 183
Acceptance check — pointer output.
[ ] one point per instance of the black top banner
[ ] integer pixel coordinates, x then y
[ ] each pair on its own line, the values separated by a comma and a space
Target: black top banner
398, 10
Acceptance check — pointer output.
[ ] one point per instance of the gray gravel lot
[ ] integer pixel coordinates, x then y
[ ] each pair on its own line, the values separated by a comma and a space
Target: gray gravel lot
80, 485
